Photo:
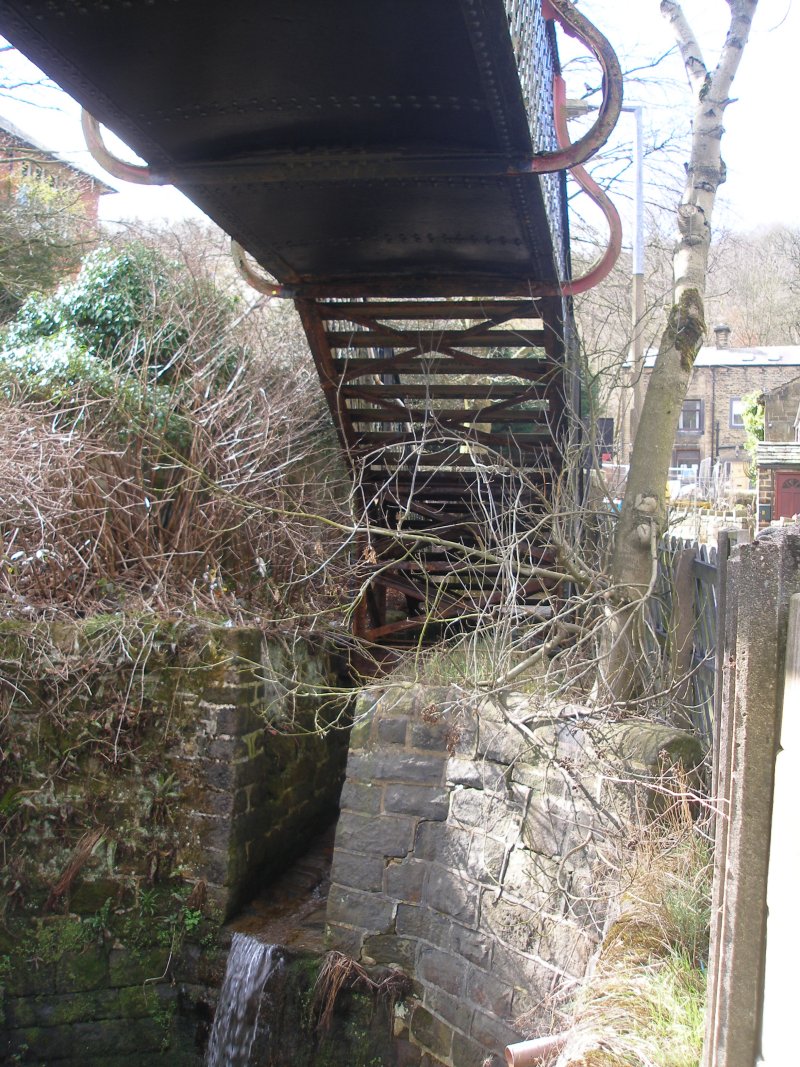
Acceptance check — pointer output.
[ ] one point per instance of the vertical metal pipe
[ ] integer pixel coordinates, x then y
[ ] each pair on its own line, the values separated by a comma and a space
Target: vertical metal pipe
637, 266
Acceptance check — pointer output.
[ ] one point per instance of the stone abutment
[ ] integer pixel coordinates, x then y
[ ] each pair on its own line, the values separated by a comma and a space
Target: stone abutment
475, 851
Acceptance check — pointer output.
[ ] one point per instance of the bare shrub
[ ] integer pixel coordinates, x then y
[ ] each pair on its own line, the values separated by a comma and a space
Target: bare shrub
175, 468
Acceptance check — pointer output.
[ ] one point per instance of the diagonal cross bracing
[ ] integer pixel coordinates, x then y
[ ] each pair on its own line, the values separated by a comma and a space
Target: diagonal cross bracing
439, 430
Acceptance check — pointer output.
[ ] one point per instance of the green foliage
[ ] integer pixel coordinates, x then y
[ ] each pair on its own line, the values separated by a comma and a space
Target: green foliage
43, 235
98, 925
120, 331
120, 299
148, 902
753, 419
192, 917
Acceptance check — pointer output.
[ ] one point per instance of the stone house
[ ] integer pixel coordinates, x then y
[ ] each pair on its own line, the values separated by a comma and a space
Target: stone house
22, 157
711, 428
778, 456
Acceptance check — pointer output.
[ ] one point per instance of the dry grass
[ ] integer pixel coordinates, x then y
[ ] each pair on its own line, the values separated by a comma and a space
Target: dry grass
339, 972
644, 1004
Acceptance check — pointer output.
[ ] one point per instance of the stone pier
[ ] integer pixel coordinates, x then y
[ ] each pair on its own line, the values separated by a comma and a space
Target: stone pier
467, 855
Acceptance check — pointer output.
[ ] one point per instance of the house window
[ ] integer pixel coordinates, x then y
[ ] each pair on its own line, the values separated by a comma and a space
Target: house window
691, 420
737, 413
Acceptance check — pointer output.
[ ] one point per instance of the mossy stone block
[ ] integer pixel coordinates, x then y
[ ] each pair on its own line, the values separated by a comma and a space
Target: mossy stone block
27, 980
87, 898
655, 747
127, 968
77, 972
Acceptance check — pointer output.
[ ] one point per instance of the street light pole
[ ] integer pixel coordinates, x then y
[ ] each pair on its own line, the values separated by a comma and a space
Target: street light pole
577, 108
637, 265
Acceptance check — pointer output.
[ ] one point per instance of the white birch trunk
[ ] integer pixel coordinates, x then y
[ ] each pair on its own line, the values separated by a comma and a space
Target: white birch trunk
643, 516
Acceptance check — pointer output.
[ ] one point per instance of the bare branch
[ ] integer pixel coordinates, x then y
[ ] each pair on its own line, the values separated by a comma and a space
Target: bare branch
689, 47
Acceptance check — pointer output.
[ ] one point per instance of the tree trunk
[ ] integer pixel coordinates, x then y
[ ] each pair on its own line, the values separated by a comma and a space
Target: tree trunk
623, 670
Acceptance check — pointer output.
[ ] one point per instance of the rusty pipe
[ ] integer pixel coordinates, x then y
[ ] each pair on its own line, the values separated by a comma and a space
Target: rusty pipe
573, 154
257, 281
529, 1053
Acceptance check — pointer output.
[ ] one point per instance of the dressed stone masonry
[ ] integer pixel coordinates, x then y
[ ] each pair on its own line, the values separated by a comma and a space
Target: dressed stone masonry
468, 854
269, 778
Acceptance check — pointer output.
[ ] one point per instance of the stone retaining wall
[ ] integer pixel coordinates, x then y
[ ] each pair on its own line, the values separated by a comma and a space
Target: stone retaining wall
267, 779
99, 1005
195, 780
467, 855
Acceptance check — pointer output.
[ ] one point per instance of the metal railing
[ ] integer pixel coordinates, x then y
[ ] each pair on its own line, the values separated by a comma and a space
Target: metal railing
535, 52
684, 615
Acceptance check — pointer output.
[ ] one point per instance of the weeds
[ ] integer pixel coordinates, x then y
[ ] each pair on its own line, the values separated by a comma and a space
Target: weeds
147, 421
339, 972
644, 1005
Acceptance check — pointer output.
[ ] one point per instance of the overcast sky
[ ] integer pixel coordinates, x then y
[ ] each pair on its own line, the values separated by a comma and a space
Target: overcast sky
761, 146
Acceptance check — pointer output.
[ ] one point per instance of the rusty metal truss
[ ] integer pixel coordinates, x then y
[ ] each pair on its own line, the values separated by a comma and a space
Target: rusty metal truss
393, 165
452, 415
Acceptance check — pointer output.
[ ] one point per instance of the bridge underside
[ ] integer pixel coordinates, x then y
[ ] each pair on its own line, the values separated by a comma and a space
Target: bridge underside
451, 414
366, 153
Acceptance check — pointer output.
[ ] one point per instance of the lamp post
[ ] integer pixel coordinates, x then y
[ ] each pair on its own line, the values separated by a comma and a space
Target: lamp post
576, 108
637, 271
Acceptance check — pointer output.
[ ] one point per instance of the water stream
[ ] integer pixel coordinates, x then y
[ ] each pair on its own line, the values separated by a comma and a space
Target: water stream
250, 963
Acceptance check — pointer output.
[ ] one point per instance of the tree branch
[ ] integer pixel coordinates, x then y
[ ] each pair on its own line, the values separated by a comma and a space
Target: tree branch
689, 47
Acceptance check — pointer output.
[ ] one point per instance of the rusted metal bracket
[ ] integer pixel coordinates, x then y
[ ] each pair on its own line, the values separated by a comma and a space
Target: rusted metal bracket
116, 167
606, 262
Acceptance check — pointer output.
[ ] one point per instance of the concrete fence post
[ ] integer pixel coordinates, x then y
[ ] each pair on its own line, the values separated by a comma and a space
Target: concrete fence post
722, 587
763, 576
779, 1023
723, 783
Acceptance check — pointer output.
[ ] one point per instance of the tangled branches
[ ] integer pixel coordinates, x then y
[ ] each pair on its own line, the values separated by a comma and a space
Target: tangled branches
137, 462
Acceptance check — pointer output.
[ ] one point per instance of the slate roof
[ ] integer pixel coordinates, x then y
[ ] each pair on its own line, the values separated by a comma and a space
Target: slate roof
8, 127
764, 356
779, 454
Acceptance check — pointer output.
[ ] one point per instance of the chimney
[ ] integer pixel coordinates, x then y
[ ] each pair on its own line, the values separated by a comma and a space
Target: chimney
722, 335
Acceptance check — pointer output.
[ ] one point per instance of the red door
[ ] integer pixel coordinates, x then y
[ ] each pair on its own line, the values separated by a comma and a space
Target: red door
787, 494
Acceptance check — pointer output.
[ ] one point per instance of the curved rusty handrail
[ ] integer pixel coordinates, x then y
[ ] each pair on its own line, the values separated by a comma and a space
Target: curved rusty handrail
258, 281
116, 167
604, 265
571, 155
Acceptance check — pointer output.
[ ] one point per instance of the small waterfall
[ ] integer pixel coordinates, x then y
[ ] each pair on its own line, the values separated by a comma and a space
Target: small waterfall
250, 963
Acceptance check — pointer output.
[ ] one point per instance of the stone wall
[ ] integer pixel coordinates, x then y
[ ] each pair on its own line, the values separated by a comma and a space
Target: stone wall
267, 779
91, 1002
142, 805
467, 855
